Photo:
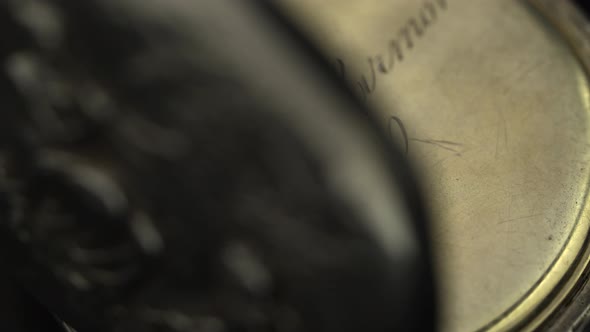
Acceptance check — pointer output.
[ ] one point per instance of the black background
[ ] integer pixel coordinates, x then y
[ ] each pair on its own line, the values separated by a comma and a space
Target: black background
585, 5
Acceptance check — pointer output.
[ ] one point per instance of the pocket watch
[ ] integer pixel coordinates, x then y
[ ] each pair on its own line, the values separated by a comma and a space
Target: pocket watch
491, 99
181, 166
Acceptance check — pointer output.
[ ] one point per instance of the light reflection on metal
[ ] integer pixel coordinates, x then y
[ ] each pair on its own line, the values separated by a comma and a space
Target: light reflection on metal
496, 107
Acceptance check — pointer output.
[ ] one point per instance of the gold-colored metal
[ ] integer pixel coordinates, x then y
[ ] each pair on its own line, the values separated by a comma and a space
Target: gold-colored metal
496, 109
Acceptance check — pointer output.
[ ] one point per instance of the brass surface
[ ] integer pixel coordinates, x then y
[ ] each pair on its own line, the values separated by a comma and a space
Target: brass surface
495, 106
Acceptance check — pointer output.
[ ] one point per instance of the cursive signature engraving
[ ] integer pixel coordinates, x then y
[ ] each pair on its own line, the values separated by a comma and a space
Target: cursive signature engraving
396, 49
394, 120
